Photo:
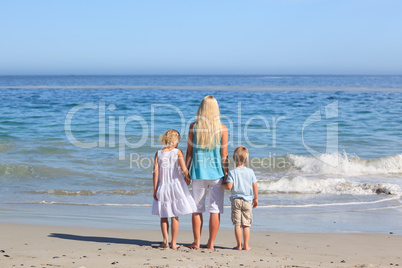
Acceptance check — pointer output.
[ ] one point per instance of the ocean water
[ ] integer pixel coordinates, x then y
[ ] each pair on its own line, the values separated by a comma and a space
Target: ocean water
327, 150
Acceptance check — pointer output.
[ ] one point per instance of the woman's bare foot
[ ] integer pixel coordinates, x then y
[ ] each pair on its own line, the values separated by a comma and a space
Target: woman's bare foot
246, 248
174, 246
237, 248
193, 246
163, 245
208, 246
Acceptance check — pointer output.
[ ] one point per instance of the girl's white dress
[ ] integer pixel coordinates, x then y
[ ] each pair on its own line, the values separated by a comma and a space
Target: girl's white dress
174, 198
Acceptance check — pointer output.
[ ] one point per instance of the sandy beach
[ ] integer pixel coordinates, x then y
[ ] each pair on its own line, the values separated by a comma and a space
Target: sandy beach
59, 246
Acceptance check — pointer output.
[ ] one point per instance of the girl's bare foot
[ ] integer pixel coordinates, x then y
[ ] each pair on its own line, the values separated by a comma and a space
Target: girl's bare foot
237, 248
246, 248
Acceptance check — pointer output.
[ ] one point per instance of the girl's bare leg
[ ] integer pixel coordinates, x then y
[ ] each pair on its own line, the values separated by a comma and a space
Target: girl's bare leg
246, 237
237, 231
175, 230
165, 232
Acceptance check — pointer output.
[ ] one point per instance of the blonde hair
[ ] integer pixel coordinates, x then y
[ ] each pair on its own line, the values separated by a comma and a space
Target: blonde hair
240, 155
170, 138
208, 124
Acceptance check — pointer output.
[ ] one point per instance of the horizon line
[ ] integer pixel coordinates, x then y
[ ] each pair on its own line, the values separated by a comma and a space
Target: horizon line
201, 74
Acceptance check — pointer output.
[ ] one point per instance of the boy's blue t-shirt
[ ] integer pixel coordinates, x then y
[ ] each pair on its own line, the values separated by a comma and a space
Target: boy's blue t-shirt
242, 179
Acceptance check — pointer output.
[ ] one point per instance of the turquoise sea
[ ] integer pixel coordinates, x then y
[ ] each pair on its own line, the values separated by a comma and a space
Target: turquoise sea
327, 150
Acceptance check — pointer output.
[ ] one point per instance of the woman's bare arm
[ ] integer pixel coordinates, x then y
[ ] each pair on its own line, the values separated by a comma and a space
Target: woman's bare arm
224, 151
189, 152
183, 166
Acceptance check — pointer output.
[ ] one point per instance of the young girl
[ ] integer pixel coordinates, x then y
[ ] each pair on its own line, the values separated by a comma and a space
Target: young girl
171, 195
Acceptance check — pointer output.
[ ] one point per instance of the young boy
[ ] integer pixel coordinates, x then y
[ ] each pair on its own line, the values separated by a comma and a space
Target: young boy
243, 183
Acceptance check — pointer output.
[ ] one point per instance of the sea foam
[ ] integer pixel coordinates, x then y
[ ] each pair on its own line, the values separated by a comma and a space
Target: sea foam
346, 165
339, 186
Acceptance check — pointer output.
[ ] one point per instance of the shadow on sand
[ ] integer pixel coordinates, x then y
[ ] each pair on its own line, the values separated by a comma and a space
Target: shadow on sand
111, 240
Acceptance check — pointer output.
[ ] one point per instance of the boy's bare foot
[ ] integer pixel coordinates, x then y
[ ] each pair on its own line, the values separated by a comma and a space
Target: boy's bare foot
163, 245
193, 246
237, 248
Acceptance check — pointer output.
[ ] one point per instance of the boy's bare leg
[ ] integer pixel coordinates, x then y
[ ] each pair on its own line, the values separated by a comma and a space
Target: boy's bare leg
175, 230
197, 221
165, 232
237, 231
246, 237
214, 221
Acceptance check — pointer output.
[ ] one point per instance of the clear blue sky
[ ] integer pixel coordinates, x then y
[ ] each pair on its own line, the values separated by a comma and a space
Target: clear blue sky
201, 37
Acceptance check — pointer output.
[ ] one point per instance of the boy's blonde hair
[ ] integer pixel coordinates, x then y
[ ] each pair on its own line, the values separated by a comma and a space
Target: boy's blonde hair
240, 155
208, 124
170, 138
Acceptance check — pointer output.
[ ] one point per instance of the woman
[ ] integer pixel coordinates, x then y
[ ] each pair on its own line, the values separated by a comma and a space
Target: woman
207, 160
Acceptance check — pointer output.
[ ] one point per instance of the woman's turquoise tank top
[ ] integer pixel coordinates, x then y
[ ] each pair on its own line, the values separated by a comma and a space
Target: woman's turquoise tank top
207, 163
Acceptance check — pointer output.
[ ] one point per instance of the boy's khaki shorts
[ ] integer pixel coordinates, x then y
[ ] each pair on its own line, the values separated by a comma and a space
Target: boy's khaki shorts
242, 212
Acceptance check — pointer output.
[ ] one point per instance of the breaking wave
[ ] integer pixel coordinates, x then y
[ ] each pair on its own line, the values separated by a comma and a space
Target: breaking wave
343, 164
334, 164
339, 186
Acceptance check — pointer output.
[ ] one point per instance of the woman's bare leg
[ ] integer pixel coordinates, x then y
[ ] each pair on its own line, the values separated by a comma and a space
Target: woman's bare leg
214, 222
197, 221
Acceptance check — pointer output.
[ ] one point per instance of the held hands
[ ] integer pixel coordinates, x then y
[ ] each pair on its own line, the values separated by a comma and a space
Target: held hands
255, 202
227, 185
224, 186
187, 179
225, 179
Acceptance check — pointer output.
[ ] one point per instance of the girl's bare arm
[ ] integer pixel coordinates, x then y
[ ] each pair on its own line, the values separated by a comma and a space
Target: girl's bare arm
155, 175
